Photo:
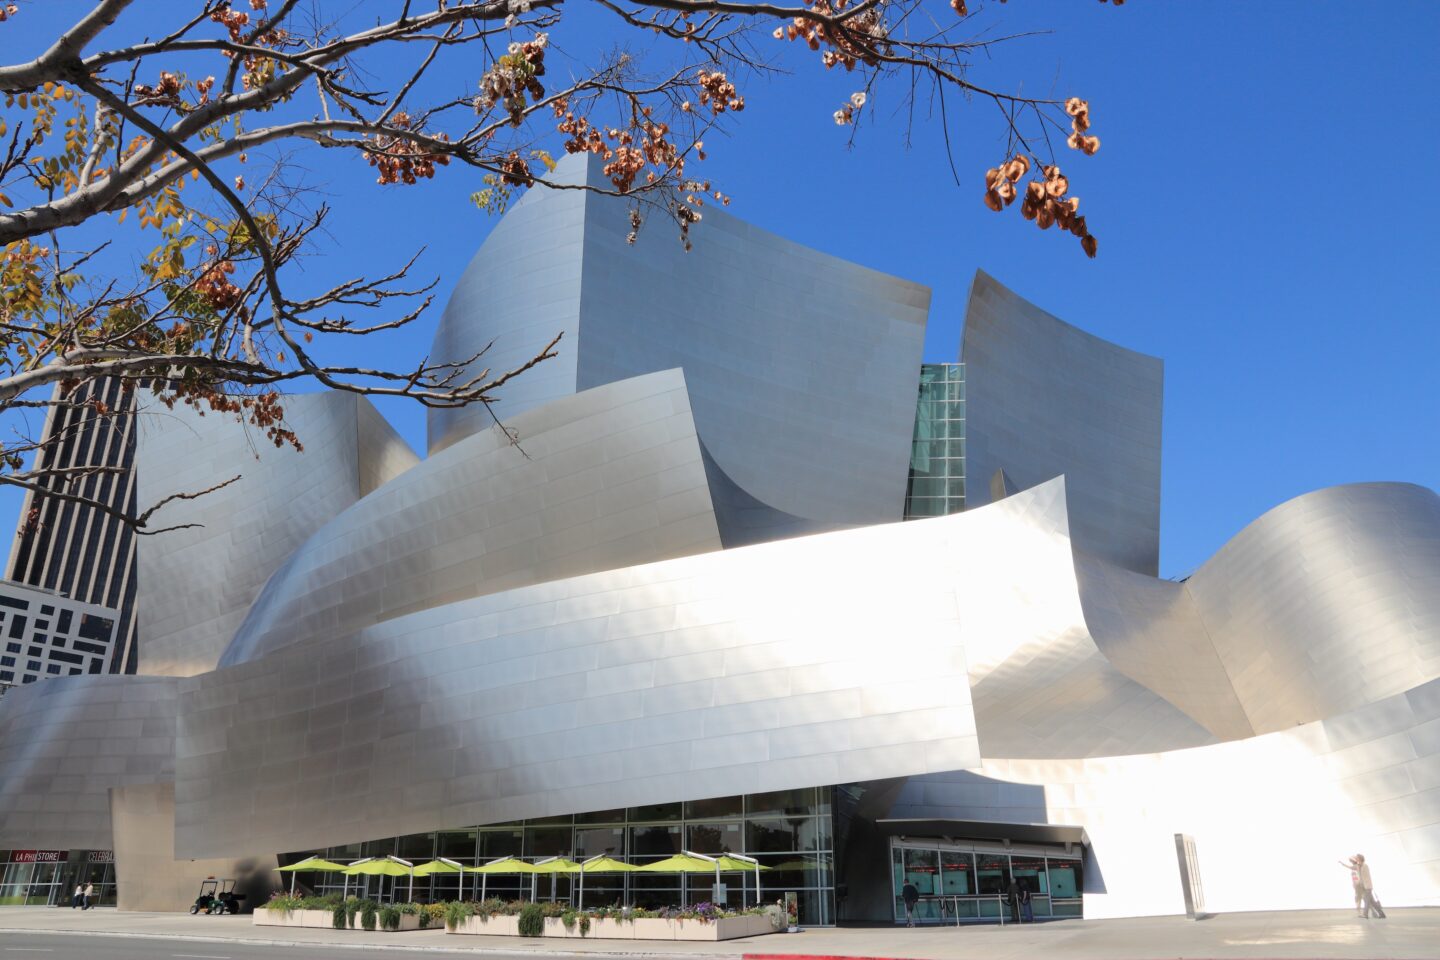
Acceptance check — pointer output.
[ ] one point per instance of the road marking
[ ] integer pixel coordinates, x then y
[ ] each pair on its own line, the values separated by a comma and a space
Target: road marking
200, 956
31, 949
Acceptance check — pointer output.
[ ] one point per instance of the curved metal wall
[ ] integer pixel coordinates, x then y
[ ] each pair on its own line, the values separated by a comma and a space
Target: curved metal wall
1270, 814
603, 479
65, 741
521, 288
194, 586
1042, 399
781, 665
1041, 687
779, 343
1328, 602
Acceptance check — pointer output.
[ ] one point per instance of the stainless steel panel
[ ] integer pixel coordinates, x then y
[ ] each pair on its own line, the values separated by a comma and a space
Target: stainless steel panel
194, 586
778, 342
1043, 398
65, 741
453, 526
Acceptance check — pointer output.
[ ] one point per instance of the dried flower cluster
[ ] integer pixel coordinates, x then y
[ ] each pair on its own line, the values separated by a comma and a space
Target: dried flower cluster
513, 76
627, 152
165, 93
718, 93
1079, 111
215, 286
858, 40
402, 160
262, 410
8, 11
1045, 203
846, 114
959, 7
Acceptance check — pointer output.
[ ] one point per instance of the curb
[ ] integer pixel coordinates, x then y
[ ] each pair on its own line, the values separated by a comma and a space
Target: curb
510, 952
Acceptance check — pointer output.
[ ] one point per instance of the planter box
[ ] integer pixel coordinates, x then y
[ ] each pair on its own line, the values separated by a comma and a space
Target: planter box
494, 927
293, 918
642, 929
324, 919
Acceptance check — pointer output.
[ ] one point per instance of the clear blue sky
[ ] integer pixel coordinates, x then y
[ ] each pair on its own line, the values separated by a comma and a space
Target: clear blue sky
1264, 202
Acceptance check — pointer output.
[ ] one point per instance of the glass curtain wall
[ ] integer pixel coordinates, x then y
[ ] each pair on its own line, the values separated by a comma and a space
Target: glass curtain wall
788, 831
49, 877
967, 883
937, 452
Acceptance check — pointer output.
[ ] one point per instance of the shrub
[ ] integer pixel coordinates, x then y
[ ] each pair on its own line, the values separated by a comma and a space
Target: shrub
409, 909
389, 917
532, 920
368, 910
568, 918
555, 909
584, 924
352, 907
341, 917
456, 913
283, 903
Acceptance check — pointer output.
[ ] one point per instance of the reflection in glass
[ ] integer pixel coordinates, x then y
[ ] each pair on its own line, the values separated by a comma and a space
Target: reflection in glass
992, 872
714, 838
956, 873
1064, 878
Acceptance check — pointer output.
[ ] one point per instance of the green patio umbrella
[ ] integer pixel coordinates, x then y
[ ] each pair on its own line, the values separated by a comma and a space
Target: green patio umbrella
384, 867
743, 865
503, 865
443, 865
684, 862
309, 863
601, 864
553, 866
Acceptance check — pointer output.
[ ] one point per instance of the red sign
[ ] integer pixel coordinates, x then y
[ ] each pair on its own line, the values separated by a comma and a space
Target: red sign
40, 856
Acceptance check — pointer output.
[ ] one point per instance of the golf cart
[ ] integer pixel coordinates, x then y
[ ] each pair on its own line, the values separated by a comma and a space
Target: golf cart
217, 897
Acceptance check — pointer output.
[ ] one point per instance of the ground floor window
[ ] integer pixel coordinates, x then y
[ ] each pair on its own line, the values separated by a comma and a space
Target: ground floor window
49, 877
968, 882
788, 831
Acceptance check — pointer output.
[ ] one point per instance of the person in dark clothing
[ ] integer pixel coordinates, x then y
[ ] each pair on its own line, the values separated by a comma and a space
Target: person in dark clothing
1013, 895
911, 895
1027, 913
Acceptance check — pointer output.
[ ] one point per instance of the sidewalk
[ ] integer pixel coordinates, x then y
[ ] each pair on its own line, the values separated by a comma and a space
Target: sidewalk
1409, 934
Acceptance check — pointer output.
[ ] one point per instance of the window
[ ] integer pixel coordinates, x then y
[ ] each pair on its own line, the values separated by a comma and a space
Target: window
93, 627
42, 624
14, 602
97, 665
34, 652
12, 648
7, 675
64, 625
32, 665
64, 657
17, 628
47, 611
7, 661
53, 669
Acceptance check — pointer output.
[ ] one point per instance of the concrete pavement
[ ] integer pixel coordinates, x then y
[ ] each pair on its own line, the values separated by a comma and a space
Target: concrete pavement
1409, 934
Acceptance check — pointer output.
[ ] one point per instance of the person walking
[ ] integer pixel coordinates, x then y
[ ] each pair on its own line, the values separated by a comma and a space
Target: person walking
1363, 886
1027, 913
911, 895
89, 894
79, 894
1012, 895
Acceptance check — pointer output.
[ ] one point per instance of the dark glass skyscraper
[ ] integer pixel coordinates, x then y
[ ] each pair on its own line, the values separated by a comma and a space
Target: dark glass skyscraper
77, 550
